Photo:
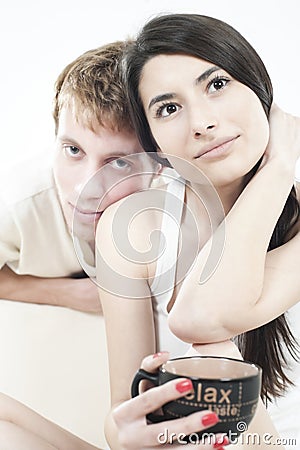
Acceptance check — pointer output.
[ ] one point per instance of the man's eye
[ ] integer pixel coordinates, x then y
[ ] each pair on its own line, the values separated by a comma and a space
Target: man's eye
71, 150
120, 163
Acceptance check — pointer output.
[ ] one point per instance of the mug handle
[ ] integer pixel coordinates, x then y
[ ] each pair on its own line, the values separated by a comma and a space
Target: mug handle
153, 377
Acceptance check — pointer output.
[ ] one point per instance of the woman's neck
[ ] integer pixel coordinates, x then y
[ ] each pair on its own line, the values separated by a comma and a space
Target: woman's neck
219, 197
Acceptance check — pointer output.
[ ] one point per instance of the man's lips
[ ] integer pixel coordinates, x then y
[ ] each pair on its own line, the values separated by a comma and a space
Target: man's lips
87, 216
216, 147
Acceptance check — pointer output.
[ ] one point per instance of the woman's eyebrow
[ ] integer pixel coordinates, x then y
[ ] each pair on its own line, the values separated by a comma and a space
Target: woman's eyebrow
206, 74
160, 98
170, 96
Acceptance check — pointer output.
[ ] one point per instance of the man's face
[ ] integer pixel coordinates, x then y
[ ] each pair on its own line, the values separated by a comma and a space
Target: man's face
92, 170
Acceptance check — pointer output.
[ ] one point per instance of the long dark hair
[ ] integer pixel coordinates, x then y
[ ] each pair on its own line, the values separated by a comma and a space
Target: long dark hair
217, 42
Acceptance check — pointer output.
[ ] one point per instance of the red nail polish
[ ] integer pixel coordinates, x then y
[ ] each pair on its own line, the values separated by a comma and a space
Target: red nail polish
220, 441
184, 386
210, 419
158, 354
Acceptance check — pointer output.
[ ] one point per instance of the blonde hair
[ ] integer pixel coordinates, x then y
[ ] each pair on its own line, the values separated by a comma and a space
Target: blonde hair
91, 85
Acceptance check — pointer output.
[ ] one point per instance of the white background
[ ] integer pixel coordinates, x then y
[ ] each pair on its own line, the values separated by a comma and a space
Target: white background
38, 38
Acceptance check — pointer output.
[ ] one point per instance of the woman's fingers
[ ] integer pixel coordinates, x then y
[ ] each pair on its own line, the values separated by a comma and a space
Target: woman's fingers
151, 400
136, 434
152, 362
284, 140
130, 418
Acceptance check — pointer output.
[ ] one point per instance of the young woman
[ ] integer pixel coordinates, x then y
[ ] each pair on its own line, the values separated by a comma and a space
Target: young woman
202, 103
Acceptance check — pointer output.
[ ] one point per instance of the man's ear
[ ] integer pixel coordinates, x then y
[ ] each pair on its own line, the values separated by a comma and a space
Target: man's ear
159, 168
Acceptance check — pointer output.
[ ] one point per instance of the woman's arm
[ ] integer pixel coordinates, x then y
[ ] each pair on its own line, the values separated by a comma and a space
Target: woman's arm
127, 309
249, 286
130, 336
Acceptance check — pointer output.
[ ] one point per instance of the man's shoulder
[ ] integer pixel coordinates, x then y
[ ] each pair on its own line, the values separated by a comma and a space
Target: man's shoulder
26, 180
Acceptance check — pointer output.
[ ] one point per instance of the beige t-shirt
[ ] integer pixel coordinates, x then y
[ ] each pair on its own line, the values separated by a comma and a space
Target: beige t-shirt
34, 238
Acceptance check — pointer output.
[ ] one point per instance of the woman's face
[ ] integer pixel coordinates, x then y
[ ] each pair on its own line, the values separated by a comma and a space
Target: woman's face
199, 113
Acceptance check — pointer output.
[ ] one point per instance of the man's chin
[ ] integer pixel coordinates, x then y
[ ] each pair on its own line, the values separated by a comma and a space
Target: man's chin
84, 232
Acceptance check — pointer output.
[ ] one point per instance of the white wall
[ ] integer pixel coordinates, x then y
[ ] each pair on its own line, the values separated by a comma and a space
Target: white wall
38, 38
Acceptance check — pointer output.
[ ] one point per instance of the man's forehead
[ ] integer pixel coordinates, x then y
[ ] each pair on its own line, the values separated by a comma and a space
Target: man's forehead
97, 121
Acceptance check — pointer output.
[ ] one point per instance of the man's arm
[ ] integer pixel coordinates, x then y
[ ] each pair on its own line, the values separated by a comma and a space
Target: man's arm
79, 294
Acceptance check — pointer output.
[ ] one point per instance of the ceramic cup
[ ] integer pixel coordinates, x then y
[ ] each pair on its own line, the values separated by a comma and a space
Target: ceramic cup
229, 387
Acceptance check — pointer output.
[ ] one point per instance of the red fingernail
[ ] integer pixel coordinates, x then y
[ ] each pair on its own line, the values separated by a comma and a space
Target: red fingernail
184, 386
220, 441
210, 419
158, 354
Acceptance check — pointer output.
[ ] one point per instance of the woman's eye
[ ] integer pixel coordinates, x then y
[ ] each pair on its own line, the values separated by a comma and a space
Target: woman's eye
166, 110
217, 84
120, 163
72, 151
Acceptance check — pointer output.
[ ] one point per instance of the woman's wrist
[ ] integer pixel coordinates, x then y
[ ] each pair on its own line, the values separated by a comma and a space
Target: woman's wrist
283, 169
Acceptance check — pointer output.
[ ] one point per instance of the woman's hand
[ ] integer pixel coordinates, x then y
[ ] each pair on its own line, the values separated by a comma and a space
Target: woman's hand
284, 140
136, 434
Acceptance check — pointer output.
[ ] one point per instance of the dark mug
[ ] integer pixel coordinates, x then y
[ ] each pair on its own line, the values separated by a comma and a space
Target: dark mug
229, 387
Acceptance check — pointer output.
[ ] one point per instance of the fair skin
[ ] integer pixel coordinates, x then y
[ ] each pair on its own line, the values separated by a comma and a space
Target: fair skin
80, 153
191, 112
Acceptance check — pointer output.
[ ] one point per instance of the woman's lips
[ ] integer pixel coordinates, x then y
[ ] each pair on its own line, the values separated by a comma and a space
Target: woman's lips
216, 148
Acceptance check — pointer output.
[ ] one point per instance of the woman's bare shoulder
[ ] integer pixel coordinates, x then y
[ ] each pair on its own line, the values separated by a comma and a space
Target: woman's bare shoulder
142, 205
131, 224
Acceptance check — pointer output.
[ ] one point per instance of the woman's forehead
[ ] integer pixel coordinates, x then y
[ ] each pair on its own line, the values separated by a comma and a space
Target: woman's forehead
166, 71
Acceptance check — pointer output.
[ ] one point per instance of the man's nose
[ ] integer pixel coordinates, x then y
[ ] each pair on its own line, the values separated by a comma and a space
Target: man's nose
92, 185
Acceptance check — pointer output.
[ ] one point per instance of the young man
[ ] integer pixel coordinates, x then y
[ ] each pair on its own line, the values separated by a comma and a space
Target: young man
40, 201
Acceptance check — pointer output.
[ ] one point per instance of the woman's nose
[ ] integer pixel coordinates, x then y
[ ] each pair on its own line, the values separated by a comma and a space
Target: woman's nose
203, 121
202, 130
